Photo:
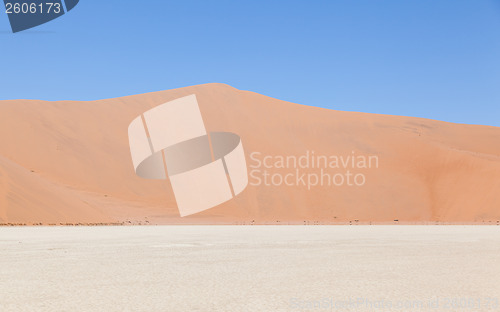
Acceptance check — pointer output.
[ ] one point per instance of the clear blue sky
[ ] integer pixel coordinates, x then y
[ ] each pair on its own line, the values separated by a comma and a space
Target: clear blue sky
437, 59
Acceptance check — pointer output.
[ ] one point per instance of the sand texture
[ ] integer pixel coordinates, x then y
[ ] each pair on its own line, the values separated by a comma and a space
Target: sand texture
69, 162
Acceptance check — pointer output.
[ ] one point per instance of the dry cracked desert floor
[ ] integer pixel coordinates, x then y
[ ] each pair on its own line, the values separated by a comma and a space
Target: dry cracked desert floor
250, 268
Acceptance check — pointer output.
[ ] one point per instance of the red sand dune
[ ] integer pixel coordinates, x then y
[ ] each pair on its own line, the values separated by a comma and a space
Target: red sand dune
69, 162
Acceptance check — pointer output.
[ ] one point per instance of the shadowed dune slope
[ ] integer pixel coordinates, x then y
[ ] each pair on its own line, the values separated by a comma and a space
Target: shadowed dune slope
69, 161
